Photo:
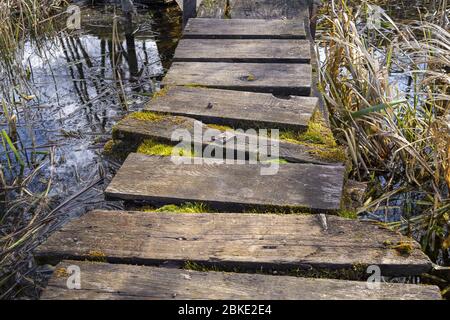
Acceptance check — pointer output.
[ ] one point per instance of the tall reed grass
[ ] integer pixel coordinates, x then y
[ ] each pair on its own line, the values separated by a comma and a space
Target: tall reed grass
386, 86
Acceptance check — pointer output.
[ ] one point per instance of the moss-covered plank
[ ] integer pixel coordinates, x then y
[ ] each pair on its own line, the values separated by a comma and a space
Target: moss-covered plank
132, 131
276, 78
120, 282
244, 29
312, 245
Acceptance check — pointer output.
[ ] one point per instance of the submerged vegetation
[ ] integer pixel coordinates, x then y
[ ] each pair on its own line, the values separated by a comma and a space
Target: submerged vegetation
386, 85
61, 92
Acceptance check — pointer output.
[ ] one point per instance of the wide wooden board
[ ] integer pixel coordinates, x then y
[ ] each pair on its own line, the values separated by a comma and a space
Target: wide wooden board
249, 242
313, 188
244, 29
276, 78
101, 281
134, 131
243, 50
237, 108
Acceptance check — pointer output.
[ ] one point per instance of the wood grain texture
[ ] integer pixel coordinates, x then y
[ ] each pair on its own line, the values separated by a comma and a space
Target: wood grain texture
247, 241
243, 50
237, 108
101, 281
134, 131
269, 9
244, 29
228, 186
276, 78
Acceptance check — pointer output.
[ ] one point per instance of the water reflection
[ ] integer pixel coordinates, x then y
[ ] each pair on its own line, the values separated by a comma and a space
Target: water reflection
82, 83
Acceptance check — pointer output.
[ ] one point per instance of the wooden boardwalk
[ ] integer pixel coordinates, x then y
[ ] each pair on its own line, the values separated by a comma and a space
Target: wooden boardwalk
243, 64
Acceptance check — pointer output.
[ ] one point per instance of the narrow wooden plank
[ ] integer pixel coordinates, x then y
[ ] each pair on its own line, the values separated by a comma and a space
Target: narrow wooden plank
237, 108
134, 131
243, 50
276, 78
229, 186
269, 9
101, 281
244, 29
235, 240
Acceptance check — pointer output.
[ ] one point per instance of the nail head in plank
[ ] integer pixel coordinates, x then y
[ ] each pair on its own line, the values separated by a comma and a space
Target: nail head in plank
234, 240
119, 282
244, 29
276, 78
239, 50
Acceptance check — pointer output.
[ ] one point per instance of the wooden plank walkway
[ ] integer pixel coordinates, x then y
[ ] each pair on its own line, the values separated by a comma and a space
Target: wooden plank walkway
237, 108
204, 28
227, 70
238, 50
135, 131
117, 282
228, 186
234, 240
276, 78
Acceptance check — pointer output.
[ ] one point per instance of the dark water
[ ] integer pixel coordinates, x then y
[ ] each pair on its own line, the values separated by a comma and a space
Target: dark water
80, 83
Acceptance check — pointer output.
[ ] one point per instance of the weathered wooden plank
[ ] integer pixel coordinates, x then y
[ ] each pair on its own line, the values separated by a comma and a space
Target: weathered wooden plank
235, 240
269, 9
229, 186
276, 78
243, 50
101, 281
237, 108
134, 131
244, 29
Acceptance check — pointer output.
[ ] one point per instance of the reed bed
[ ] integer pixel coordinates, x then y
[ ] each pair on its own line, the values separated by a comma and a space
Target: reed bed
386, 86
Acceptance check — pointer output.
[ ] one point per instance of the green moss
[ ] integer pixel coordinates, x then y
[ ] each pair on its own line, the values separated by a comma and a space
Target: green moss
193, 85
251, 77
153, 148
328, 153
403, 247
117, 149
146, 116
160, 93
277, 210
349, 214
188, 207
108, 147
279, 161
219, 127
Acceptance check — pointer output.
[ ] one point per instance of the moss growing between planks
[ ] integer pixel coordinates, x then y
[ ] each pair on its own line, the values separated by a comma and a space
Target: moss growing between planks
356, 272
219, 127
349, 214
97, 255
160, 93
196, 207
117, 149
152, 148
146, 116
318, 138
404, 248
